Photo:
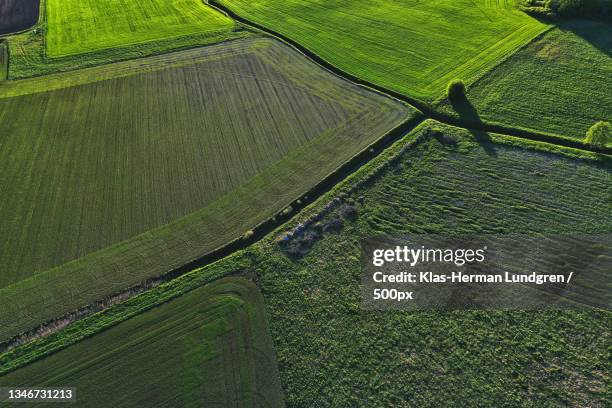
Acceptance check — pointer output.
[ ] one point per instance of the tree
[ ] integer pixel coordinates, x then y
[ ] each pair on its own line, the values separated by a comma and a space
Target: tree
455, 89
599, 134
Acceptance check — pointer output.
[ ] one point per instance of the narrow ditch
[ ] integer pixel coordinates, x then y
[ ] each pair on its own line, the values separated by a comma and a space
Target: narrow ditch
259, 232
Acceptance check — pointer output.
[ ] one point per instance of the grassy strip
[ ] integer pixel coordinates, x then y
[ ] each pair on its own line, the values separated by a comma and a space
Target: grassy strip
87, 327
127, 68
210, 345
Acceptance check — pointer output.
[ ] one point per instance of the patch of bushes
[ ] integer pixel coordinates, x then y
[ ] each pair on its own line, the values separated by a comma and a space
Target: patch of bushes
599, 134
299, 241
598, 9
349, 212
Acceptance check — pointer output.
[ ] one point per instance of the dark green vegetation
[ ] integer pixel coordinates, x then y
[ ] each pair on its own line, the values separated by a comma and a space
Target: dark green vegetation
111, 182
558, 84
333, 353
599, 9
210, 346
599, 134
18, 15
455, 90
413, 47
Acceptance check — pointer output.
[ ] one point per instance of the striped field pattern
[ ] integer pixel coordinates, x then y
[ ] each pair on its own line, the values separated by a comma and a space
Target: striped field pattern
413, 47
111, 182
212, 344
558, 84
77, 26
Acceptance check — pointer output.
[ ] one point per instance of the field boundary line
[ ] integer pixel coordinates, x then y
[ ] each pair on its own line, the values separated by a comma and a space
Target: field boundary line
260, 231
480, 78
426, 108
95, 322
238, 262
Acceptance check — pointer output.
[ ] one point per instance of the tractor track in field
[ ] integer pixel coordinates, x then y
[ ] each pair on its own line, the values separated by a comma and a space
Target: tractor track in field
429, 111
325, 185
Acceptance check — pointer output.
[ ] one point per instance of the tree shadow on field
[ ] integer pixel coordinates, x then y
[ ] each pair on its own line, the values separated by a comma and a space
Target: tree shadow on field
469, 115
485, 141
464, 108
596, 33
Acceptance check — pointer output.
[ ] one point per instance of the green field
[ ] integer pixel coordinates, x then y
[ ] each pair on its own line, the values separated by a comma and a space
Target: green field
334, 353
120, 173
127, 151
78, 26
331, 352
413, 47
210, 346
558, 84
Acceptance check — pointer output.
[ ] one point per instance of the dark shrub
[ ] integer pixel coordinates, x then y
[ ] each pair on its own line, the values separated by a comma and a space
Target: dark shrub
599, 9
455, 90
349, 212
334, 225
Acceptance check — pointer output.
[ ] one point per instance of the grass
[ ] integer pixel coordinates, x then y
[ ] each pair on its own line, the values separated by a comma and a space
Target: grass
209, 346
18, 15
413, 47
557, 84
101, 196
29, 58
333, 353
79, 26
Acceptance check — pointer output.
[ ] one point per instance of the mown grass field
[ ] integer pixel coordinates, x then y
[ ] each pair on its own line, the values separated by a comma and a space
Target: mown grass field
111, 182
17, 15
78, 26
413, 47
558, 84
333, 353
211, 346
29, 57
